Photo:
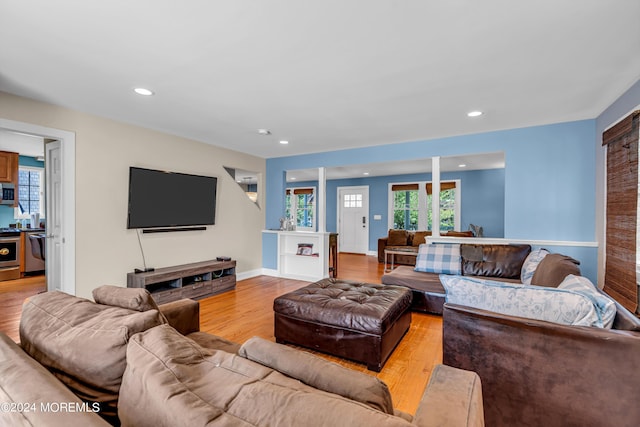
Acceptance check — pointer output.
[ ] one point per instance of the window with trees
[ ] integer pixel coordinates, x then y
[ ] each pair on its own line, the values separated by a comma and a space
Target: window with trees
300, 206
411, 206
406, 207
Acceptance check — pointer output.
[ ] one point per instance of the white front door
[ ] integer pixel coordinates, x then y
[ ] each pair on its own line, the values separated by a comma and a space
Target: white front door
353, 219
53, 181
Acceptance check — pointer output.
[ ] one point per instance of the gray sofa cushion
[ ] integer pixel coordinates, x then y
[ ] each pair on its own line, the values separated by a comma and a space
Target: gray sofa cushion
319, 373
82, 343
138, 299
194, 386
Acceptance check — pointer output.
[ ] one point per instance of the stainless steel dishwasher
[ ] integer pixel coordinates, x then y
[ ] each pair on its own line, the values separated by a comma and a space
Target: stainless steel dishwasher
31, 263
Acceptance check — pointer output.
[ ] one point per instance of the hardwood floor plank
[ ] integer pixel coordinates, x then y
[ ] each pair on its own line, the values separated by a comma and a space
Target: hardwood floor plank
248, 311
12, 295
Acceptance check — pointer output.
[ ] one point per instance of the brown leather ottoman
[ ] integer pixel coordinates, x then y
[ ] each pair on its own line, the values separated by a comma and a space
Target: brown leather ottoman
357, 321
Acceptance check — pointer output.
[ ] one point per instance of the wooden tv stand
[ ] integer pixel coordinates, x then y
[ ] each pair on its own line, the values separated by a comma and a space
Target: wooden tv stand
197, 280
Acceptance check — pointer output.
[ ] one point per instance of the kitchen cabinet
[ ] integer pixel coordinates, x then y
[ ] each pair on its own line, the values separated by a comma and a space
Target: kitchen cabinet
9, 167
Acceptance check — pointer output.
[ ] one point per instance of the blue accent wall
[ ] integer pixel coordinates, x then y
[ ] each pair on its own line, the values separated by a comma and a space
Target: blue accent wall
269, 252
6, 212
549, 176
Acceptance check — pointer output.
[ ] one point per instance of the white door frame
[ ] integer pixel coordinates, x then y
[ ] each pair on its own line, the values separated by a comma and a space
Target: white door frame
364, 188
68, 155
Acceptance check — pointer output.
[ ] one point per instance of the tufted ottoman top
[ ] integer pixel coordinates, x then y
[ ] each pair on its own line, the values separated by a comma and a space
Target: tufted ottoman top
347, 304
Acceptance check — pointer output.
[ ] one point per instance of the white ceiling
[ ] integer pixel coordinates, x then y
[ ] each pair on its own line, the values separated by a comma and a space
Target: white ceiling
325, 75
447, 164
26, 145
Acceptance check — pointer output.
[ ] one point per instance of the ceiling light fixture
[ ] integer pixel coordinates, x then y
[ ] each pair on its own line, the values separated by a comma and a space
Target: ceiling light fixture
365, 173
462, 165
143, 91
284, 142
264, 131
474, 113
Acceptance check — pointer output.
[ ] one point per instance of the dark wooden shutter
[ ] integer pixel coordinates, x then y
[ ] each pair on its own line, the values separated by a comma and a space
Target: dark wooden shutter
299, 191
404, 187
303, 191
444, 185
622, 211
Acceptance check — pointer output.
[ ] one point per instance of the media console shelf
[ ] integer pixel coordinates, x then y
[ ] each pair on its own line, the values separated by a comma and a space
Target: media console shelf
195, 281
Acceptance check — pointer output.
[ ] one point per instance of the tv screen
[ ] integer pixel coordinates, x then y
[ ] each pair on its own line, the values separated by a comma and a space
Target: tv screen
170, 199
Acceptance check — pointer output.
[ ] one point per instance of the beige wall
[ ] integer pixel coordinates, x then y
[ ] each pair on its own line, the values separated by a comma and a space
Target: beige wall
105, 149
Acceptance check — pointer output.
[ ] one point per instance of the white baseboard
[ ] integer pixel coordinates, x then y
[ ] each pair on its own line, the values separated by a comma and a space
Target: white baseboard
249, 274
270, 272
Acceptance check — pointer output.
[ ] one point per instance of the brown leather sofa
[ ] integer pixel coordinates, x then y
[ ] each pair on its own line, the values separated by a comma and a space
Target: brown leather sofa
537, 373
409, 241
154, 367
495, 262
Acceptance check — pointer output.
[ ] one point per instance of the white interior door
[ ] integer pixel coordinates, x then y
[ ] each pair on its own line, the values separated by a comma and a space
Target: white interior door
54, 241
353, 219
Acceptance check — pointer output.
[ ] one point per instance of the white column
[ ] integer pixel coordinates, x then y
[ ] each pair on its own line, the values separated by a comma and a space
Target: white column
435, 196
321, 198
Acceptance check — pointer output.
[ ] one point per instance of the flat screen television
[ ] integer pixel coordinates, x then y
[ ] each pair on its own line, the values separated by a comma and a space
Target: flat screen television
170, 199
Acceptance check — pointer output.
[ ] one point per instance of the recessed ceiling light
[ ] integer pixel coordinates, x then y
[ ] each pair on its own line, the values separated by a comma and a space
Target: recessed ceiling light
474, 113
143, 91
293, 178
284, 142
365, 173
462, 165
264, 131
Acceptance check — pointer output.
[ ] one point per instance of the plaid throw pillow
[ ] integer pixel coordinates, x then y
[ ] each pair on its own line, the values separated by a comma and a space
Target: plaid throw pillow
439, 258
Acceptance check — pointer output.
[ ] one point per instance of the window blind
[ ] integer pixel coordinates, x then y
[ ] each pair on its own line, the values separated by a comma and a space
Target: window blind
620, 279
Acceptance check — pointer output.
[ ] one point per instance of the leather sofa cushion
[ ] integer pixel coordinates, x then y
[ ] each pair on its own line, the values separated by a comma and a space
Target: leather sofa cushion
194, 386
82, 343
138, 299
397, 238
493, 260
553, 269
419, 237
319, 373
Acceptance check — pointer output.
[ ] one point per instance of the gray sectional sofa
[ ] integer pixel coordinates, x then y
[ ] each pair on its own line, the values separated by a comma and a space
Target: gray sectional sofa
127, 361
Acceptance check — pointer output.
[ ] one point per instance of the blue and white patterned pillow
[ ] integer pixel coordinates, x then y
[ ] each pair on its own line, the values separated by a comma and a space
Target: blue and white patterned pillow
533, 302
530, 264
604, 305
439, 258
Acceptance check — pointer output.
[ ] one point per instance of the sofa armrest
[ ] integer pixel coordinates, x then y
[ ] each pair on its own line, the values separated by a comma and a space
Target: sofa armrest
28, 384
540, 373
452, 398
382, 243
183, 315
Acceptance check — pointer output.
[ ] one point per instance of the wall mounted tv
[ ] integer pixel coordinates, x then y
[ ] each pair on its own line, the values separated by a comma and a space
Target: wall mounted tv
170, 199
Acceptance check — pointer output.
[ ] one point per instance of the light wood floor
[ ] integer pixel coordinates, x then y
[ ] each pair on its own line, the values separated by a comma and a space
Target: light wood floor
248, 311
